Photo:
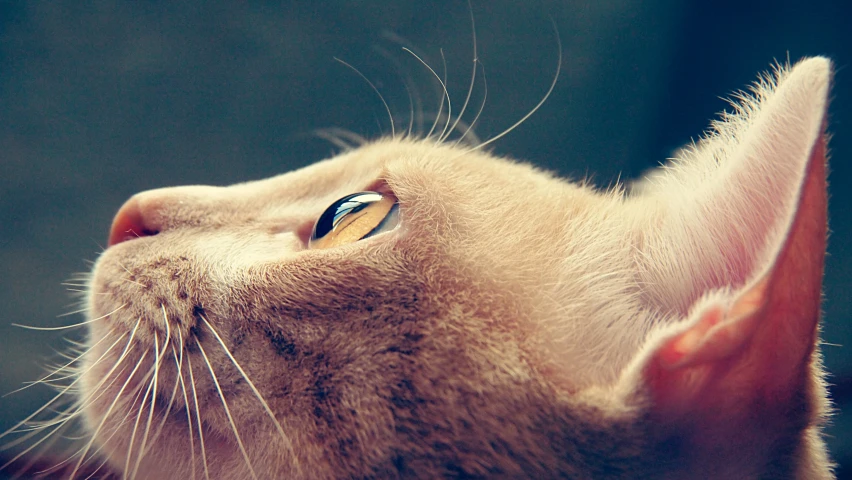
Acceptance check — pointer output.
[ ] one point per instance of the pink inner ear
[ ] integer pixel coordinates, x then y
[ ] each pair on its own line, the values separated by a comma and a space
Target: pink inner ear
718, 333
749, 275
753, 352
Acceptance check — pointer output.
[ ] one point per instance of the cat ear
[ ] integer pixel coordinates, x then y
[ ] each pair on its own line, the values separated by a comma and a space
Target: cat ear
717, 215
744, 350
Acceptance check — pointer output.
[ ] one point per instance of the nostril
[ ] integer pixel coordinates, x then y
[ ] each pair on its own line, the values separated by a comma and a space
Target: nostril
129, 223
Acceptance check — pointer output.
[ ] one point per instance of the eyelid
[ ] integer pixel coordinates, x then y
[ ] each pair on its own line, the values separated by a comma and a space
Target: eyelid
381, 186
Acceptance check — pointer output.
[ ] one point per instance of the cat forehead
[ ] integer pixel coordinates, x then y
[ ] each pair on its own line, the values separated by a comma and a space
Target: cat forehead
406, 164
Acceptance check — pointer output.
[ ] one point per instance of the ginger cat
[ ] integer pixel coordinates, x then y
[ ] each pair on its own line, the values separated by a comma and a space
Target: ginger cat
471, 316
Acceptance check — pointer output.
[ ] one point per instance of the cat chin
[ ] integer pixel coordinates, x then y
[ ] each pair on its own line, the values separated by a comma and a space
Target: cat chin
169, 455
132, 417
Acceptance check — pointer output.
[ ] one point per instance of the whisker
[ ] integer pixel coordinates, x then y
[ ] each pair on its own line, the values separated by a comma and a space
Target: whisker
472, 76
387, 108
333, 139
340, 137
152, 393
540, 103
66, 327
159, 359
469, 130
449, 104
59, 395
197, 416
406, 81
43, 448
130, 404
96, 470
446, 94
50, 435
79, 406
34, 429
253, 389
348, 135
61, 368
168, 408
227, 410
179, 362
418, 100
74, 312
98, 391
133, 281
106, 415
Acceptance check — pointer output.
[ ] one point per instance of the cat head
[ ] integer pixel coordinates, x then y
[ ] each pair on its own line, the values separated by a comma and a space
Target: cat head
508, 322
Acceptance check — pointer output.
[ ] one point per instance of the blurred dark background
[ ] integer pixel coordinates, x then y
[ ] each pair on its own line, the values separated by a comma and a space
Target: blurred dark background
99, 100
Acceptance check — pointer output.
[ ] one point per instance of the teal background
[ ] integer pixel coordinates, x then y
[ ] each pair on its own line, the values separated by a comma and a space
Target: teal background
99, 100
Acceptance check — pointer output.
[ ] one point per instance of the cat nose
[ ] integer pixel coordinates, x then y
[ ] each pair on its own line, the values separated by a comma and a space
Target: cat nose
130, 222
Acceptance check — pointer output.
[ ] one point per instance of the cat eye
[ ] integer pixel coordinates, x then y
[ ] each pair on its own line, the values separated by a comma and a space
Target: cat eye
355, 217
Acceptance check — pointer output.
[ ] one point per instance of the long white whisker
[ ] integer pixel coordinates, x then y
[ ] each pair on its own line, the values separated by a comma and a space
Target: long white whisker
100, 391
387, 108
66, 421
406, 81
131, 404
253, 389
168, 407
51, 438
333, 139
35, 444
418, 100
32, 431
157, 362
197, 416
179, 362
469, 130
148, 391
446, 94
341, 138
539, 104
472, 75
64, 416
106, 415
62, 368
449, 104
74, 312
97, 392
96, 470
59, 395
66, 327
227, 410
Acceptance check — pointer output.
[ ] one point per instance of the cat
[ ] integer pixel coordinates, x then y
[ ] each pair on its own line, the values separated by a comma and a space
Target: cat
419, 308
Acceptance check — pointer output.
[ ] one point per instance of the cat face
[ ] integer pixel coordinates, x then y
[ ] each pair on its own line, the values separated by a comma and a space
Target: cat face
341, 342
510, 324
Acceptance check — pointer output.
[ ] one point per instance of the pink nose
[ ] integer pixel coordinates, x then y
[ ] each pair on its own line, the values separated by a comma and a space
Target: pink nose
129, 223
